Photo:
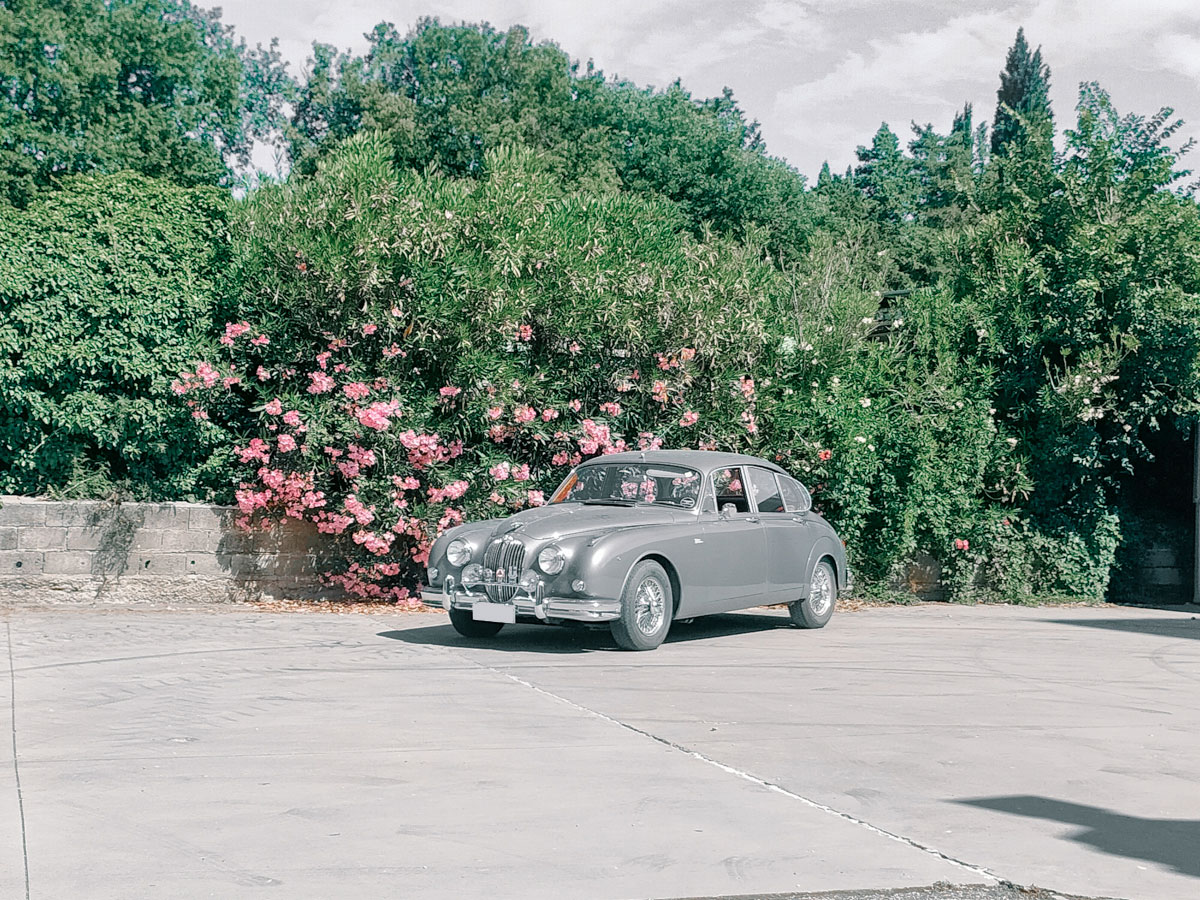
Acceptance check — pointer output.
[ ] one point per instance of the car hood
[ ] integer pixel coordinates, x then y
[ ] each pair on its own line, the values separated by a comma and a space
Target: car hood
564, 520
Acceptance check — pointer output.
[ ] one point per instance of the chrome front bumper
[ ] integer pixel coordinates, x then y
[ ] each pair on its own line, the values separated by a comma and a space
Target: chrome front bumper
528, 603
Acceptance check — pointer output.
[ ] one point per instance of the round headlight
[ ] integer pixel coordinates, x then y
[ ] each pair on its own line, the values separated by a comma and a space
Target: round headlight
551, 560
458, 553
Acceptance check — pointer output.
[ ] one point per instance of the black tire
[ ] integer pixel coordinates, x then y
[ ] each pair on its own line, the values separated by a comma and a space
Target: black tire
465, 625
822, 598
646, 608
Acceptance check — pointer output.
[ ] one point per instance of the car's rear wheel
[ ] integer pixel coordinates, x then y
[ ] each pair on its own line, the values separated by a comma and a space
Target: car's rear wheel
815, 611
466, 625
646, 607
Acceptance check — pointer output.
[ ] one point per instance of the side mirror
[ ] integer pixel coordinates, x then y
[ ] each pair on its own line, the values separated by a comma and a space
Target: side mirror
728, 510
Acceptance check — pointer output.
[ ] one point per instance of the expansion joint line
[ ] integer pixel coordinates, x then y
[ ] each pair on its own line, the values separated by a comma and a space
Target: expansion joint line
12, 710
754, 779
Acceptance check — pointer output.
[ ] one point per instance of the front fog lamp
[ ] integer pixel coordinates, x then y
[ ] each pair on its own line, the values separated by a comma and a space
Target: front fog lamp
551, 560
458, 553
472, 574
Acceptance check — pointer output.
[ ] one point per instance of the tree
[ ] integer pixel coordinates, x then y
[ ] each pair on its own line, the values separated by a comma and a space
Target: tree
1024, 94
156, 86
446, 95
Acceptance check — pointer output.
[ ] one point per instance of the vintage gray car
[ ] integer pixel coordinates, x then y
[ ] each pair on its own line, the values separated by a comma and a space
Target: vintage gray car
638, 540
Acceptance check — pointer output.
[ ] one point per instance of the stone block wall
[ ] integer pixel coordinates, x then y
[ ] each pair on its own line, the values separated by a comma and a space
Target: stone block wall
128, 552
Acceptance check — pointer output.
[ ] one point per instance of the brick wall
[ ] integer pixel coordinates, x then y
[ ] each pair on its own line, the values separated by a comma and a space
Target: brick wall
128, 552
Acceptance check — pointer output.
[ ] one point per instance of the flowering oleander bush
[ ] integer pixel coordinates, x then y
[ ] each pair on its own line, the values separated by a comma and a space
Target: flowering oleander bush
415, 350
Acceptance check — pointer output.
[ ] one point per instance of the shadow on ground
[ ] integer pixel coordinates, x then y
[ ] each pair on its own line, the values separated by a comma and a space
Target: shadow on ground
1168, 628
570, 639
1168, 842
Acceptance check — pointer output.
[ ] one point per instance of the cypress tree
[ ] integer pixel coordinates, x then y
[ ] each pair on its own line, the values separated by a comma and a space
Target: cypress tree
1024, 90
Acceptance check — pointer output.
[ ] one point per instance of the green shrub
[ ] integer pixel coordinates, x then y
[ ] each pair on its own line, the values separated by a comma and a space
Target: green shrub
106, 292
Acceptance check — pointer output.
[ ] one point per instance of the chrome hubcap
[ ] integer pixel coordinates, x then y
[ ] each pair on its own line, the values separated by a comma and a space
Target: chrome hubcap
821, 596
650, 606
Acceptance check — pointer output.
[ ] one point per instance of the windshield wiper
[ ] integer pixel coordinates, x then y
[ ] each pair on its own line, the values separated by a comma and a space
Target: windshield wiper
611, 502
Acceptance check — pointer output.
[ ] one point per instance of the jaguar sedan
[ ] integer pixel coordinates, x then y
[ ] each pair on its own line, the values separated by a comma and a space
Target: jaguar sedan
638, 540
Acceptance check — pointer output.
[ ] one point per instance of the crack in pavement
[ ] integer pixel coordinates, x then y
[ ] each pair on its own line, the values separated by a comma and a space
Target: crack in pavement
12, 710
739, 773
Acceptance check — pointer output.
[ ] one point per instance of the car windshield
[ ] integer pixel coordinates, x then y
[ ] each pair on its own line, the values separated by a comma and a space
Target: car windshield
630, 483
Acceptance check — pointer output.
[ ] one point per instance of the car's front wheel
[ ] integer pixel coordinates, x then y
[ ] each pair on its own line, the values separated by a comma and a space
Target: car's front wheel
822, 597
466, 625
646, 608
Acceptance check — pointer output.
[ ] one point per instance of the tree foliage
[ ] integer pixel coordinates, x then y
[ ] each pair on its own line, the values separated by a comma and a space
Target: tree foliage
156, 86
107, 290
489, 261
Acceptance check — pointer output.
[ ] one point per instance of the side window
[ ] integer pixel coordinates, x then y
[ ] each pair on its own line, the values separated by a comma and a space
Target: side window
766, 491
795, 495
730, 485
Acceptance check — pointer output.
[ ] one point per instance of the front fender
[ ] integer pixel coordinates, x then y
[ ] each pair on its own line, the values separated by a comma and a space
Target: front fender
605, 562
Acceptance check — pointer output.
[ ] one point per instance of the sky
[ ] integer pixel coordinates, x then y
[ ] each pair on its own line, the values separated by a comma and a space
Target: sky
819, 75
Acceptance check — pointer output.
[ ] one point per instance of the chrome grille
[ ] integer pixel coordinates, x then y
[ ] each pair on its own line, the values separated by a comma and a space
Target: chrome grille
503, 562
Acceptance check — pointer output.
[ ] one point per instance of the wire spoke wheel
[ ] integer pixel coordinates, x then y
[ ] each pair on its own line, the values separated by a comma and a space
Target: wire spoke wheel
647, 605
817, 609
651, 606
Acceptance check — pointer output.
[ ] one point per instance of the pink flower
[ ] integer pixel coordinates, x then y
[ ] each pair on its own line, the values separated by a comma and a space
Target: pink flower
495, 497
521, 473
263, 374
825, 455
962, 544
746, 386
363, 515
274, 408
451, 491
261, 341
321, 383
369, 329
613, 409
536, 498
689, 419
495, 412
574, 348
291, 417
500, 471
576, 405
687, 354
561, 458
549, 415
659, 391
378, 415
525, 333
525, 414
449, 392
323, 358
233, 331
356, 390
393, 351
256, 450
287, 443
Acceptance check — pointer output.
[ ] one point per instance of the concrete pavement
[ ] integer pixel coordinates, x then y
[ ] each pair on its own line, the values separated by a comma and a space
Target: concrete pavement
226, 753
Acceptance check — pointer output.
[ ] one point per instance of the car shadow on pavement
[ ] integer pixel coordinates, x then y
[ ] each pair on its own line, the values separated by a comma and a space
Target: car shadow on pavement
544, 639
1164, 627
1168, 842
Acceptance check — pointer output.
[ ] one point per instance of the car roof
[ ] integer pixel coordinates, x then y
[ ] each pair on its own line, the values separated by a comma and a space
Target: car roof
704, 460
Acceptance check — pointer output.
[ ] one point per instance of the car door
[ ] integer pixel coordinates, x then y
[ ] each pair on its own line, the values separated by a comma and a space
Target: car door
789, 537
735, 561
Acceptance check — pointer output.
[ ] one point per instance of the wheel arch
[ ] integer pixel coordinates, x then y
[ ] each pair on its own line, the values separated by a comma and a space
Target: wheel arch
668, 567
